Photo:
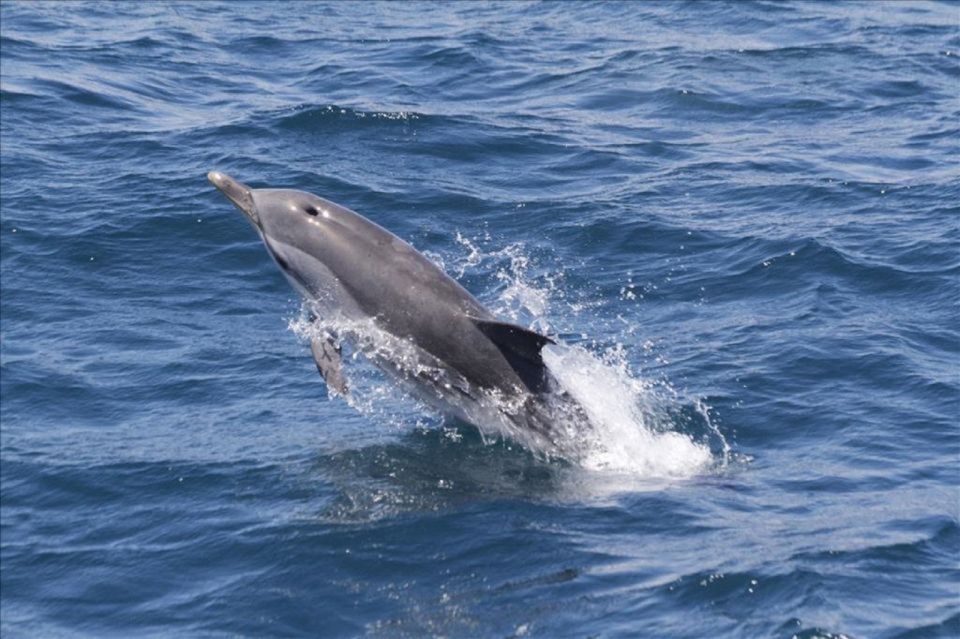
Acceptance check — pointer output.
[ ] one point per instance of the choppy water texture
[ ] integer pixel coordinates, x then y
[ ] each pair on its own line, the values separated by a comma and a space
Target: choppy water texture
740, 219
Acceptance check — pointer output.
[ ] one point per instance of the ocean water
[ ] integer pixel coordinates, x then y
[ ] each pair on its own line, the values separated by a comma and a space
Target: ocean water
739, 219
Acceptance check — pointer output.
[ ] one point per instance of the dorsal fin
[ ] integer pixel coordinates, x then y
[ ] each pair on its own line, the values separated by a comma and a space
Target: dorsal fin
521, 348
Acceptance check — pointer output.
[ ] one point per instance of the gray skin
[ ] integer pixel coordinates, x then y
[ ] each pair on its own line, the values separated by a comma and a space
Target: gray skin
335, 255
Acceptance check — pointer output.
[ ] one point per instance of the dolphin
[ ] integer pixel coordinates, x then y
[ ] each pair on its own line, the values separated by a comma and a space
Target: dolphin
445, 346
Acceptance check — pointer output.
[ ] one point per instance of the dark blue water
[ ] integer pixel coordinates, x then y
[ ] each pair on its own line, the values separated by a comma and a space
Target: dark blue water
741, 219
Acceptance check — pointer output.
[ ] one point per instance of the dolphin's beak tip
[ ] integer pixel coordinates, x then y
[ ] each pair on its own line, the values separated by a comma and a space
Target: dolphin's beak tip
237, 192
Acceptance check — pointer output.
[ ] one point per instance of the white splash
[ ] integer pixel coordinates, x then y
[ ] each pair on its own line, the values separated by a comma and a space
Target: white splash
626, 413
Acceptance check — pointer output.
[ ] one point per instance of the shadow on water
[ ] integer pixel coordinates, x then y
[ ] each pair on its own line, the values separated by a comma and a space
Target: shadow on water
432, 469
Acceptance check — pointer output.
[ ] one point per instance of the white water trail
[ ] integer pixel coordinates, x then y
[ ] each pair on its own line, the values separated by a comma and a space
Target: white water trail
631, 427
625, 414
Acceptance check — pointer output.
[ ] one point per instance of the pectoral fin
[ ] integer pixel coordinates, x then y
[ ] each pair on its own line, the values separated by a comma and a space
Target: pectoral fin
327, 357
521, 348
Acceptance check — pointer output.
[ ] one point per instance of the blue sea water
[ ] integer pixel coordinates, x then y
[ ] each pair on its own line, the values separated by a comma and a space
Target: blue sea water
741, 220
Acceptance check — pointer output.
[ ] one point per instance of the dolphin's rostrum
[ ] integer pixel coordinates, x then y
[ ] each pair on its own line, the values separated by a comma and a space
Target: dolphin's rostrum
456, 354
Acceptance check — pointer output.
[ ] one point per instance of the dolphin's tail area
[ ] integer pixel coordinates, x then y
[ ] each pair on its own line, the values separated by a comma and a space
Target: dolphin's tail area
550, 412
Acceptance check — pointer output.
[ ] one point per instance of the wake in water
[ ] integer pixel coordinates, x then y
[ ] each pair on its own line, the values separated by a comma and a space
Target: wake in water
603, 416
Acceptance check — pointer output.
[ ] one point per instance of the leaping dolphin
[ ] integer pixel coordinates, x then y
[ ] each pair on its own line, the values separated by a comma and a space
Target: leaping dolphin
453, 353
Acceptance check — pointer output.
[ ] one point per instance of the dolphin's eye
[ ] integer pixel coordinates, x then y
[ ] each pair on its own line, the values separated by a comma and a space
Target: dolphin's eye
312, 210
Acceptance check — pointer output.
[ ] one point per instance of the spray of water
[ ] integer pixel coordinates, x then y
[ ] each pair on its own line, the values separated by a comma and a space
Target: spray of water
629, 425
635, 426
